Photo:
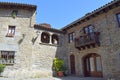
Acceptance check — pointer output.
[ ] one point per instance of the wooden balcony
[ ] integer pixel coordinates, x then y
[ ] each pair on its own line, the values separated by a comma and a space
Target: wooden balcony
87, 40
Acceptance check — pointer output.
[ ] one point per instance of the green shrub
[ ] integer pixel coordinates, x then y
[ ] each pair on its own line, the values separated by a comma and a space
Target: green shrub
14, 14
58, 65
2, 66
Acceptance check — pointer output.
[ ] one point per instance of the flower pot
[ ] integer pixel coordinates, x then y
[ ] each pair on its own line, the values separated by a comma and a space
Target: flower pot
60, 73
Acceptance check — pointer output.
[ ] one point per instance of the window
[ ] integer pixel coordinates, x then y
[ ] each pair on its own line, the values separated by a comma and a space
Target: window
71, 37
7, 57
88, 29
55, 39
45, 37
118, 18
14, 13
11, 31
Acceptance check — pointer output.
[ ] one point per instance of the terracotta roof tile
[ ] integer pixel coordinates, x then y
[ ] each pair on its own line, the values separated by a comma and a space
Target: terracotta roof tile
17, 5
39, 27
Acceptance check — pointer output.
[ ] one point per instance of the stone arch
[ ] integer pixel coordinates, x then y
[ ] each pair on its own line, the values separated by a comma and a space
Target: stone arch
45, 37
55, 39
92, 65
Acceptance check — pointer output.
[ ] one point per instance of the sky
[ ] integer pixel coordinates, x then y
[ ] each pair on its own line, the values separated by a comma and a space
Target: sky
59, 13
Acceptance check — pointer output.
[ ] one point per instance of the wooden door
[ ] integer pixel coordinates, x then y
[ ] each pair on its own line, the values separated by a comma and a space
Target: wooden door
72, 64
92, 65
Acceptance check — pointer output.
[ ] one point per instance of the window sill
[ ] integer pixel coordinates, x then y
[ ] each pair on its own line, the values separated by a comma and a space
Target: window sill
71, 42
8, 64
57, 45
9, 35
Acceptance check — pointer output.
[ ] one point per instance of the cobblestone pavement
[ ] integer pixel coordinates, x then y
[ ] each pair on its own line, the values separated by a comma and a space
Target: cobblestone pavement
55, 78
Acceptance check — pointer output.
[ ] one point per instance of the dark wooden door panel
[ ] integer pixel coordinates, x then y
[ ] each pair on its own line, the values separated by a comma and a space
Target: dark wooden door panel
95, 74
72, 64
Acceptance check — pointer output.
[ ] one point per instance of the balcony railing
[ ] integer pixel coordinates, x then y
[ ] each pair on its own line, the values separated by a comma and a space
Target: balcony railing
86, 40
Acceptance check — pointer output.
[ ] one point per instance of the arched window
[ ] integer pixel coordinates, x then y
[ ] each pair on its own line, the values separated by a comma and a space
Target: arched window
45, 37
55, 39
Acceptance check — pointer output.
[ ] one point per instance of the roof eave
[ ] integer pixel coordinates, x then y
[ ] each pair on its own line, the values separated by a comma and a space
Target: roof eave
36, 26
92, 13
17, 5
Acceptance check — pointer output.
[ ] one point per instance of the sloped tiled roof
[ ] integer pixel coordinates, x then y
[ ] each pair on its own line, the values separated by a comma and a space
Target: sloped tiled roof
17, 5
40, 27
110, 5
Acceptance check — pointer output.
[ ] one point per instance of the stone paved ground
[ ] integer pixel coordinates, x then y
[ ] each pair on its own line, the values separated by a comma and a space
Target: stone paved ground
55, 78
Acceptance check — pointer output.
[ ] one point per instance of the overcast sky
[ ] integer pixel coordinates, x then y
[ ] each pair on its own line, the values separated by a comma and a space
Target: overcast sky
59, 13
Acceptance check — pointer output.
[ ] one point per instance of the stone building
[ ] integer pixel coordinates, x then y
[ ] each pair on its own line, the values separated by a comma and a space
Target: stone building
90, 46
16, 24
93, 43
27, 49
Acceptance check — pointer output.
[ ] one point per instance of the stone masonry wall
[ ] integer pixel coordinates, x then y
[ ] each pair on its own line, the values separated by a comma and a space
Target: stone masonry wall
31, 60
108, 27
44, 53
21, 41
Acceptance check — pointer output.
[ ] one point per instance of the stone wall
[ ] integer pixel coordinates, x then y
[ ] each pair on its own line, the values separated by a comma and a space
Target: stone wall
21, 42
44, 53
107, 25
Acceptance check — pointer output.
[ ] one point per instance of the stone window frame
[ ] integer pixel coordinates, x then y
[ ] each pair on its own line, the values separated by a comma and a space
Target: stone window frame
7, 57
118, 18
11, 31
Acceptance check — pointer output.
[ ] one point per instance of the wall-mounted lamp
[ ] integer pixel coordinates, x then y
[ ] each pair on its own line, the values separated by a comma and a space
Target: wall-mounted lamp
35, 38
37, 32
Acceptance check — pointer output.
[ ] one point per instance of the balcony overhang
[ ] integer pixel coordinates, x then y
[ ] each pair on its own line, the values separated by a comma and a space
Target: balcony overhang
87, 40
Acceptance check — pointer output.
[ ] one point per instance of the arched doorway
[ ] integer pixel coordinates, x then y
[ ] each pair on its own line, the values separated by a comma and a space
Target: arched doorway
72, 64
92, 65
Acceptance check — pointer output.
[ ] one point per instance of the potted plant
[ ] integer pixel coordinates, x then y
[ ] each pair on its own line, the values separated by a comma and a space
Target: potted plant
58, 65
